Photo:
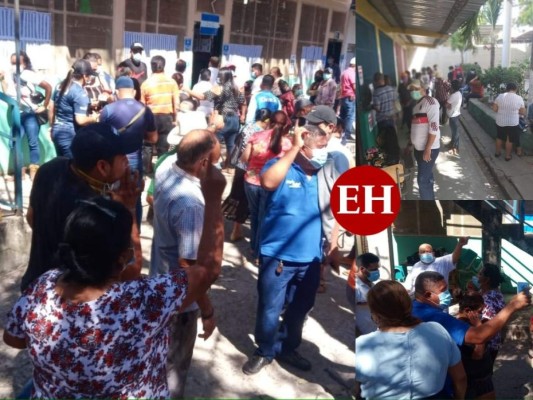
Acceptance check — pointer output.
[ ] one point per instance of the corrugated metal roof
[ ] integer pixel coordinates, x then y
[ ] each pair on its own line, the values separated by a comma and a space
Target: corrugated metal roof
425, 22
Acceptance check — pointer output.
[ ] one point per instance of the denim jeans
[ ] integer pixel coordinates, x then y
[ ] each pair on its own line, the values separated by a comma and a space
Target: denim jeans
62, 137
454, 126
229, 132
30, 128
425, 174
347, 115
295, 286
256, 197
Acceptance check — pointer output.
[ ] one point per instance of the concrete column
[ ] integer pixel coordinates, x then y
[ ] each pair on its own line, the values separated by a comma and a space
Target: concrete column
191, 17
491, 237
507, 21
296, 30
228, 10
118, 28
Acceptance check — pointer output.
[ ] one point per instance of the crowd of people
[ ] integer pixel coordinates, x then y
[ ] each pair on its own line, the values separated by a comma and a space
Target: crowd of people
425, 101
409, 346
96, 327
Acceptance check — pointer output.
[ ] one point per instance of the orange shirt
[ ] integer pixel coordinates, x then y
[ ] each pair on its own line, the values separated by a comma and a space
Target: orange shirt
161, 94
351, 276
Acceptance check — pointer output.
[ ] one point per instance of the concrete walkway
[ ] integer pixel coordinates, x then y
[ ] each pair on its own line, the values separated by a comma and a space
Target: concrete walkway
515, 177
462, 177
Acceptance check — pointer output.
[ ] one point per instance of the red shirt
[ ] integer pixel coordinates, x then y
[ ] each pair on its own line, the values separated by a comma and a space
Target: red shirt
348, 82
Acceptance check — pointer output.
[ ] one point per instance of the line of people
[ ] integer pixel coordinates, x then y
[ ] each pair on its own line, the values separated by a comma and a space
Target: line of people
126, 335
409, 346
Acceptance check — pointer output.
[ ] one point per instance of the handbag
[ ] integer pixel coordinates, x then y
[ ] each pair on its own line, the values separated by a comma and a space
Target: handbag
42, 117
237, 150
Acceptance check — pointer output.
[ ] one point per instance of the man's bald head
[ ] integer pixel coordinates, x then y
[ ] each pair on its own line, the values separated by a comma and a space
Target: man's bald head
195, 145
425, 248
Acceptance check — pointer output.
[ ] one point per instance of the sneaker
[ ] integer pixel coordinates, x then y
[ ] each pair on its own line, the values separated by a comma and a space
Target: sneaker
294, 359
255, 364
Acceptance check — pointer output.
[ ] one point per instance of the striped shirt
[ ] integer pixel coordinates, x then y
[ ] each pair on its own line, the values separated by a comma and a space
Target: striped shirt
425, 122
383, 99
161, 94
508, 106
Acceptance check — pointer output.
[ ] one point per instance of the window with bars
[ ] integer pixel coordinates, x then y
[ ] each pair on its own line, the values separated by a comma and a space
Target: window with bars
313, 26
268, 23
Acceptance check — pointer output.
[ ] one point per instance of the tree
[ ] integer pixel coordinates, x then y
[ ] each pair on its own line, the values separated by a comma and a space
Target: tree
458, 43
487, 15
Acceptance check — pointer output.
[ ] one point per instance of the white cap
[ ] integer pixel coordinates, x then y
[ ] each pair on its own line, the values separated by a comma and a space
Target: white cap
352, 61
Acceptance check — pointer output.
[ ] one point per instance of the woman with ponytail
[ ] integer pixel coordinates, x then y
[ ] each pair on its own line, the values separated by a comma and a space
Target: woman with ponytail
71, 107
405, 358
262, 147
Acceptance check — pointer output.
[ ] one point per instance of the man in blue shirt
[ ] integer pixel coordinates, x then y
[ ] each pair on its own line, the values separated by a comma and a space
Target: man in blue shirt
426, 306
263, 99
291, 238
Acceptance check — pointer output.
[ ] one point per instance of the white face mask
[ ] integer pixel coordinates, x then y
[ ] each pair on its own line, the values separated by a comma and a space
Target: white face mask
320, 157
137, 57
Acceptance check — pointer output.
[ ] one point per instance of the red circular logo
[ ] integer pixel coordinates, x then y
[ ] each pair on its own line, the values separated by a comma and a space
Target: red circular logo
365, 200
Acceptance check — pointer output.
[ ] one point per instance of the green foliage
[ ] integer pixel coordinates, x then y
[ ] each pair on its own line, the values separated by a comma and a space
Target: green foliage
495, 79
469, 67
526, 12
490, 12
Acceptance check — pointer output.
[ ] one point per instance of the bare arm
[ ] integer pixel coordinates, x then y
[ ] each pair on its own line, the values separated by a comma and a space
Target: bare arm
458, 376
522, 111
273, 176
495, 107
47, 92
480, 334
245, 157
13, 341
456, 255
151, 137
207, 267
83, 120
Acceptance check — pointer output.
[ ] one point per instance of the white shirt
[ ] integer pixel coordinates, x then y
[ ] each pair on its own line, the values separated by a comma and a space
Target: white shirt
455, 100
29, 80
205, 106
443, 265
256, 87
508, 106
425, 122
363, 322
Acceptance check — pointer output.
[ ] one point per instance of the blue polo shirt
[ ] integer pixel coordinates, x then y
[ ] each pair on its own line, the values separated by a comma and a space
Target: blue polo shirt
263, 99
292, 228
74, 101
455, 327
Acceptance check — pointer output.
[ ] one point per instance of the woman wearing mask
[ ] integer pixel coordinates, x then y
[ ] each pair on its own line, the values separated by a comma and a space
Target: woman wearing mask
70, 107
29, 81
276, 73
390, 362
298, 92
313, 89
228, 101
327, 90
487, 282
262, 147
287, 98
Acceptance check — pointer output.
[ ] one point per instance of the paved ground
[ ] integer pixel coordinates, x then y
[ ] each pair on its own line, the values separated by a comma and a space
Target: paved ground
463, 177
216, 369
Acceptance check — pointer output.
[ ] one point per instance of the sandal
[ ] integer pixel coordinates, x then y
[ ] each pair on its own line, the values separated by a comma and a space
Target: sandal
508, 159
322, 286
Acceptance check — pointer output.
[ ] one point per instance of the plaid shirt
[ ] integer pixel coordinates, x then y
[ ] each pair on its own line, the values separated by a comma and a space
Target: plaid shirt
383, 99
442, 90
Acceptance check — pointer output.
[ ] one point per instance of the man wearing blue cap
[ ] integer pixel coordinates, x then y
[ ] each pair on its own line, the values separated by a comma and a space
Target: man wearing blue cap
134, 121
98, 163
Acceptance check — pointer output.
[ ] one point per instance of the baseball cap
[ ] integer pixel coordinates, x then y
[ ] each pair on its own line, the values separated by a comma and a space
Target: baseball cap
96, 142
352, 61
136, 45
124, 82
322, 114
416, 85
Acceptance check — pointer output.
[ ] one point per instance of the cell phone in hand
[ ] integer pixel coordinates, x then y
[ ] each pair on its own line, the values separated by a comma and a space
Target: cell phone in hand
522, 287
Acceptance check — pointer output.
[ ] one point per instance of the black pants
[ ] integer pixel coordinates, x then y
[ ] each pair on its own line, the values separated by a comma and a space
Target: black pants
164, 123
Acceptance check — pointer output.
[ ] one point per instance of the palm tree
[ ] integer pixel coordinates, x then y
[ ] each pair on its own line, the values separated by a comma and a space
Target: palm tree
458, 43
487, 15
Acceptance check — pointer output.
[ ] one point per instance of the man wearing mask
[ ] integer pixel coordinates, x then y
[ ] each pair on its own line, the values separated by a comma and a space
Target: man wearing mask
257, 76
443, 265
405, 99
347, 113
366, 275
138, 69
291, 250
425, 137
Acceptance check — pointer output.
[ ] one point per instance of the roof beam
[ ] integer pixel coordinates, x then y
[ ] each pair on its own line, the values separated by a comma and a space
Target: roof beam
417, 32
